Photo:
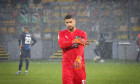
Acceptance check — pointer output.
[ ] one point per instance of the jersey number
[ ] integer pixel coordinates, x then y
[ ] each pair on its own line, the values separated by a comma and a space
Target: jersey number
27, 40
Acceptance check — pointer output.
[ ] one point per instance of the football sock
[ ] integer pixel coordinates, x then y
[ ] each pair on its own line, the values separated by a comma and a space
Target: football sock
20, 65
27, 64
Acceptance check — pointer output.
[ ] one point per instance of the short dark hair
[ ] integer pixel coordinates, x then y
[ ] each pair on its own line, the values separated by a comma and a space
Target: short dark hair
26, 28
69, 17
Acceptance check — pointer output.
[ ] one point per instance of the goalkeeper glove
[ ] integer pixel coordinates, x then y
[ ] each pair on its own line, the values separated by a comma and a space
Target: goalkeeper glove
77, 63
79, 41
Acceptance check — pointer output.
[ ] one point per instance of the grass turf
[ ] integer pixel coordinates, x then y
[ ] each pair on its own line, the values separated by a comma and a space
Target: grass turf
42, 72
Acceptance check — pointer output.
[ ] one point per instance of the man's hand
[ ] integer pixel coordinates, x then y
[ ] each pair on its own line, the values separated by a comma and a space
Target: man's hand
82, 41
79, 41
77, 63
20, 47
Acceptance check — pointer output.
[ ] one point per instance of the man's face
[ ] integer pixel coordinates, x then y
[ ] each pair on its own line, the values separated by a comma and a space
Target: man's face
70, 23
25, 30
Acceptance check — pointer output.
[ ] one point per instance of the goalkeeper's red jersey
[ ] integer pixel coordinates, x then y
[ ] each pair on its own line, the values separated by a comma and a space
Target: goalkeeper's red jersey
69, 52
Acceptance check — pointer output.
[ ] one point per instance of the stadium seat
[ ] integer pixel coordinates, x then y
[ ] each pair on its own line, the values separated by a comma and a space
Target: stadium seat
3, 30
123, 36
3, 54
65, 0
47, 30
123, 28
11, 30
136, 28
56, 29
47, 1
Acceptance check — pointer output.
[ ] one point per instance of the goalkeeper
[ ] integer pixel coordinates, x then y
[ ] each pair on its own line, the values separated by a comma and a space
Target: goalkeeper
72, 42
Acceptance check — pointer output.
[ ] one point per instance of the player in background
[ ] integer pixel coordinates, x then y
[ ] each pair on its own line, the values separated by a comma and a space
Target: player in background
100, 45
72, 42
138, 47
25, 43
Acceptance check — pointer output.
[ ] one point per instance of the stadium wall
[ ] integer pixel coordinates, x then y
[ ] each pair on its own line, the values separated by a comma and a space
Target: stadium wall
43, 50
118, 51
127, 51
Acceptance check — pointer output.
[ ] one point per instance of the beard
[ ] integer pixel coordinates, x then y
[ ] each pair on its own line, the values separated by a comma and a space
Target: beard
70, 28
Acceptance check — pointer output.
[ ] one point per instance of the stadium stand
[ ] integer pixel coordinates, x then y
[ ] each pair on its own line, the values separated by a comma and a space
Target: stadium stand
3, 54
118, 20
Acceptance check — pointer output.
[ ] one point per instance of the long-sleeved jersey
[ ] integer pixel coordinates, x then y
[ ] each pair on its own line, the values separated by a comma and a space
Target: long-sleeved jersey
69, 51
25, 40
138, 40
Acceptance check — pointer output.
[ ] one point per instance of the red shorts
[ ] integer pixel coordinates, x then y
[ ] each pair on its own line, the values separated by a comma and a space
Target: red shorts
71, 76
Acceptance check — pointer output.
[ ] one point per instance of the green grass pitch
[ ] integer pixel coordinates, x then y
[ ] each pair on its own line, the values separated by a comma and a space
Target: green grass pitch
49, 72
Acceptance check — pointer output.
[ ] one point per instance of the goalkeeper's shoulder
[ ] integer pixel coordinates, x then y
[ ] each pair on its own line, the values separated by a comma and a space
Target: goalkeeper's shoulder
82, 32
61, 32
